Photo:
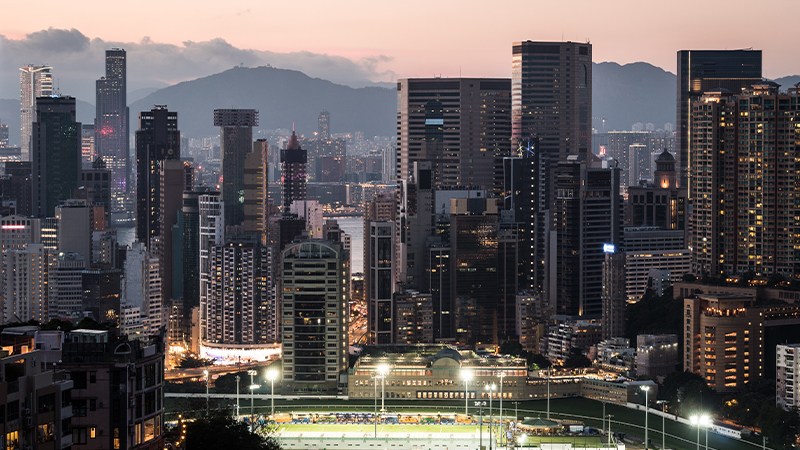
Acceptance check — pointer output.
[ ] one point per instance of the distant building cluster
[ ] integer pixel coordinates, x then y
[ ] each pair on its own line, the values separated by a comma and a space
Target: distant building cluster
496, 216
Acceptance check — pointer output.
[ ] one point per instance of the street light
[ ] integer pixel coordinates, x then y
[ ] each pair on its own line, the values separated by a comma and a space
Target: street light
522, 438
466, 375
237, 397
700, 421
663, 404
490, 388
481, 405
610, 436
646, 389
383, 370
206, 373
272, 374
253, 388
501, 375
548, 393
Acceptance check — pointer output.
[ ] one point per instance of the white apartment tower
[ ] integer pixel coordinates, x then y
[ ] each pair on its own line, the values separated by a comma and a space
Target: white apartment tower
35, 81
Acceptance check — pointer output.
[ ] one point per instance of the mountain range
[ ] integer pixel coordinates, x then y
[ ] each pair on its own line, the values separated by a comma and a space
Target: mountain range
622, 96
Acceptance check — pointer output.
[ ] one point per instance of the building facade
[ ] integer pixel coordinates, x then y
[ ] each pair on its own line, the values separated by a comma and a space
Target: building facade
314, 319
111, 125
236, 142
35, 82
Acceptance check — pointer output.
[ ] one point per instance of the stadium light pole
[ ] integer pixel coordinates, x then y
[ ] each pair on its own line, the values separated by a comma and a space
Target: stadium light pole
375, 397
610, 437
700, 421
237, 397
663, 404
383, 370
272, 374
466, 375
548, 393
253, 388
490, 388
501, 375
646, 390
207, 377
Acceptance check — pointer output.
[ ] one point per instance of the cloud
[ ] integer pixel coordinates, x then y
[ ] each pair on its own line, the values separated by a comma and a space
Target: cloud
78, 61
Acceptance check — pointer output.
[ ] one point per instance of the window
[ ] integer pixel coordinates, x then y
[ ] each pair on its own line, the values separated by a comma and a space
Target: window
44, 433
92, 405
93, 432
79, 436
79, 408
92, 377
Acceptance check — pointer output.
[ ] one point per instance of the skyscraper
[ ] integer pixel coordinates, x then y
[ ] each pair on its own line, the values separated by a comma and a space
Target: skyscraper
587, 225
236, 142
462, 125
293, 173
211, 233
700, 71
552, 99
55, 154
743, 181
256, 190
157, 140
324, 125
111, 125
379, 272
35, 81
314, 325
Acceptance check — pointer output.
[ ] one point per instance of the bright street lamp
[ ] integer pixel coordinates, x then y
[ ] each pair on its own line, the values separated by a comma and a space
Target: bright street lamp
663, 404
207, 377
383, 370
646, 389
521, 439
466, 375
490, 388
253, 388
501, 375
272, 374
700, 421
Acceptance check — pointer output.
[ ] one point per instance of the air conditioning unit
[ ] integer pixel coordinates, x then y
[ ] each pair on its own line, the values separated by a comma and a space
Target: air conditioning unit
26, 412
132, 402
27, 421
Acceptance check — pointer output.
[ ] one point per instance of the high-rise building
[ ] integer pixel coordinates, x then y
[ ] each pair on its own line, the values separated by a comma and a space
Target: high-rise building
88, 149
173, 183
700, 71
157, 140
240, 306
97, 183
117, 392
75, 229
788, 376
413, 318
24, 283
141, 292
64, 282
16, 186
55, 153
236, 142
380, 264
3, 135
212, 229
314, 325
462, 125
588, 219
256, 191
379, 213
293, 173
111, 124
743, 148
102, 294
552, 99
35, 82
324, 125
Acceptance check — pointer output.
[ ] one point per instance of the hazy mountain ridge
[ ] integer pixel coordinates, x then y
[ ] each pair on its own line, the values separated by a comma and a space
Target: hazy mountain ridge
622, 94
283, 97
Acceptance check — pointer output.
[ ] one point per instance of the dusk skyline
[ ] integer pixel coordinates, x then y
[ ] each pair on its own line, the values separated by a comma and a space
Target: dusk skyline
359, 42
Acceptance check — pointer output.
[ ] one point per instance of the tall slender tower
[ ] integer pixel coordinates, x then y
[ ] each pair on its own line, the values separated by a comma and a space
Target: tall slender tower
552, 99
35, 81
324, 125
111, 125
236, 142
157, 140
293, 173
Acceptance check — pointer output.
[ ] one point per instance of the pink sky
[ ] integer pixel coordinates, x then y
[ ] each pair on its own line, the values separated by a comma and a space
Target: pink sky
430, 37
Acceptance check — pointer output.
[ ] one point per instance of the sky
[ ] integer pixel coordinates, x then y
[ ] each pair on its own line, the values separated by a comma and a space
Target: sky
356, 42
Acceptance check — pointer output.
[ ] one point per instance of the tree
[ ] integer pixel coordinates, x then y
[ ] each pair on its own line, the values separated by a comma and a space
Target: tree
191, 362
577, 359
689, 393
223, 431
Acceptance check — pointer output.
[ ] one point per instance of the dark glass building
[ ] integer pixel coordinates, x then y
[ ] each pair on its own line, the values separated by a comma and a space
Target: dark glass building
157, 139
700, 71
551, 89
293, 173
111, 125
236, 142
55, 154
